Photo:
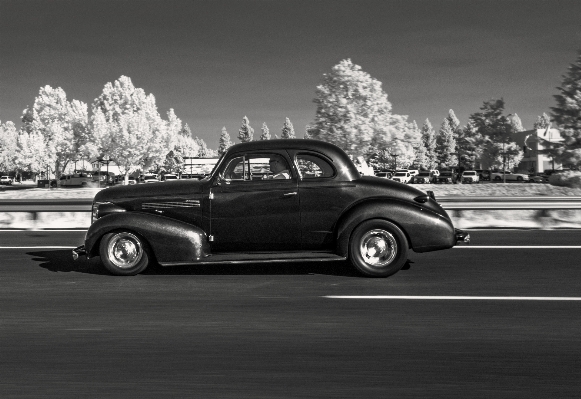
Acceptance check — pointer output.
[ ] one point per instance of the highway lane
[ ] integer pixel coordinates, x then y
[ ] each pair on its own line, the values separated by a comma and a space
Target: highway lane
263, 331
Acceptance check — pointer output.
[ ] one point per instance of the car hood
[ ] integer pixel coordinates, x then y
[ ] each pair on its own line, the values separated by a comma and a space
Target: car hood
151, 190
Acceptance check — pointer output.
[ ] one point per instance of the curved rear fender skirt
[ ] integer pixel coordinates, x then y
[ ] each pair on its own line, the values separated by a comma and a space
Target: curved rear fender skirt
170, 240
425, 230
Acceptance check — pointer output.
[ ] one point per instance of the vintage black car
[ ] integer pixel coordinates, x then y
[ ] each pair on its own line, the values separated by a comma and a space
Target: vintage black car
245, 212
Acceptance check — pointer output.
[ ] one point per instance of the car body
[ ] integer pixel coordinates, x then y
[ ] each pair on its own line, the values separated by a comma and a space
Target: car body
425, 176
402, 177
446, 177
325, 211
6, 180
509, 176
469, 177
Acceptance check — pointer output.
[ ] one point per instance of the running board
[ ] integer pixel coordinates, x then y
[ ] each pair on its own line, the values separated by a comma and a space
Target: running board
260, 257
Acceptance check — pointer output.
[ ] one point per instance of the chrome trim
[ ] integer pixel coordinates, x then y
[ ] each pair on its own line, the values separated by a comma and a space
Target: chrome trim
171, 204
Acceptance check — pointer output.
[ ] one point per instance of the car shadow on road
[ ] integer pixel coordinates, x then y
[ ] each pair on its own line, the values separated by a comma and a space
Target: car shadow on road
336, 268
62, 261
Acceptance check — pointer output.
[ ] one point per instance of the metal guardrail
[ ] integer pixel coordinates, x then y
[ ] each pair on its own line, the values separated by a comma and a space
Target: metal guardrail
45, 205
514, 203
449, 203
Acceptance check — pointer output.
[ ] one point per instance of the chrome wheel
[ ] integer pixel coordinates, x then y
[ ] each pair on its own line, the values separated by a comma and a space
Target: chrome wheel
378, 248
124, 250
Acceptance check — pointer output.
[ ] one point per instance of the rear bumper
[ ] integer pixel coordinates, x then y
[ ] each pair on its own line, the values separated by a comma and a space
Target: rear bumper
79, 251
462, 237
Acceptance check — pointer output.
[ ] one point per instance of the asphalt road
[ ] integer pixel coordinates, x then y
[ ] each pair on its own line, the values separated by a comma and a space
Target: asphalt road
483, 321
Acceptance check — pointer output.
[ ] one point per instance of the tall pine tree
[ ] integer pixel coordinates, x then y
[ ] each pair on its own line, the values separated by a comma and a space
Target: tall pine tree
245, 133
567, 116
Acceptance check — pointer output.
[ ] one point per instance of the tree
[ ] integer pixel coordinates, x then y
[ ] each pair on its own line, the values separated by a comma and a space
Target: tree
224, 142
446, 145
61, 124
542, 122
429, 141
246, 132
8, 146
352, 109
127, 128
567, 116
288, 131
495, 130
308, 132
265, 132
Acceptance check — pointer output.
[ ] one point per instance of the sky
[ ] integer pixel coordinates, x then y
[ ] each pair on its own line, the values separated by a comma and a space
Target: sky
216, 61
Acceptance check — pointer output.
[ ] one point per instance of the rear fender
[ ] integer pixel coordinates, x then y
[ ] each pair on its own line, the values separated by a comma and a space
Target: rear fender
170, 240
424, 229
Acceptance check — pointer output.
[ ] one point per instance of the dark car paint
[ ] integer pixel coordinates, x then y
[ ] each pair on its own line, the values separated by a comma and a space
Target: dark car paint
179, 220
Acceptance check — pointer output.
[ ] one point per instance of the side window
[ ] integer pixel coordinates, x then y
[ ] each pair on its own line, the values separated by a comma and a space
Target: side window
253, 167
314, 167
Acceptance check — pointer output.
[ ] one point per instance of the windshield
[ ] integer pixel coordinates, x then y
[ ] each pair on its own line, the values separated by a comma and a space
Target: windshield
469, 173
424, 174
400, 174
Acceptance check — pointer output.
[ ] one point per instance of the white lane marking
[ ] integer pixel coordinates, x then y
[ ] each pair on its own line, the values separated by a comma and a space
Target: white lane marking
40, 247
473, 298
519, 246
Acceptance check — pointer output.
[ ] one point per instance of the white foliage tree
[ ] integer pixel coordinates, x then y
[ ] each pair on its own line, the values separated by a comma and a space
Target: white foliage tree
288, 131
62, 125
128, 129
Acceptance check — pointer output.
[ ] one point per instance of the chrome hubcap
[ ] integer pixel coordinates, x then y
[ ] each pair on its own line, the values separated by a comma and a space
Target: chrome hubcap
378, 247
124, 250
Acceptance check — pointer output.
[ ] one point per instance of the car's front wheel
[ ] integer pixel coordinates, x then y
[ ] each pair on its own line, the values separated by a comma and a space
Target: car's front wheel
124, 253
378, 248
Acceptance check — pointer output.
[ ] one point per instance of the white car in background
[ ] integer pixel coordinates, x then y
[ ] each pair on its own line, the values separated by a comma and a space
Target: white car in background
469, 177
149, 178
402, 177
509, 176
6, 180
169, 177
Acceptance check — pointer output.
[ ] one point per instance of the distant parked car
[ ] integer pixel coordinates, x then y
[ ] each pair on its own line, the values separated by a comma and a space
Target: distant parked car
470, 176
385, 175
402, 177
149, 178
483, 174
169, 177
509, 176
538, 178
425, 176
446, 177
6, 180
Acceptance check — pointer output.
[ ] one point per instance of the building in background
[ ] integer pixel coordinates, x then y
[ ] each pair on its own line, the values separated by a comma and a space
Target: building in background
535, 159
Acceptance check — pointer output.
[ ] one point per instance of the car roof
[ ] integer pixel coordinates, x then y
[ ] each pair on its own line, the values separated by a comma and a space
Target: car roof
346, 170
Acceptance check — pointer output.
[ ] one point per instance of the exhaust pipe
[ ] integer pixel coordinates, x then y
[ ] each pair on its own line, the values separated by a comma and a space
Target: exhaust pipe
462, 236
79, 251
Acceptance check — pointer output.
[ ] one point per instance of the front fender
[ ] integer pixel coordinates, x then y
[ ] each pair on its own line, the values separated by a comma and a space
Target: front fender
425, 229
170, 240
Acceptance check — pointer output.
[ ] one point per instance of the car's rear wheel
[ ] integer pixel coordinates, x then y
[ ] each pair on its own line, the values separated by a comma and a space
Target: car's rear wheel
124, 253
497, 178
378, 248
519, 178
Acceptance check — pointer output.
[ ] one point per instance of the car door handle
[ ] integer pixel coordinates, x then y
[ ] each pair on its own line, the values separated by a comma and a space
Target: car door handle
289, 194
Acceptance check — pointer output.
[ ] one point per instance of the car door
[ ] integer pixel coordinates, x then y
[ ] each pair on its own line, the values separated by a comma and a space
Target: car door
323, 199
251, 211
